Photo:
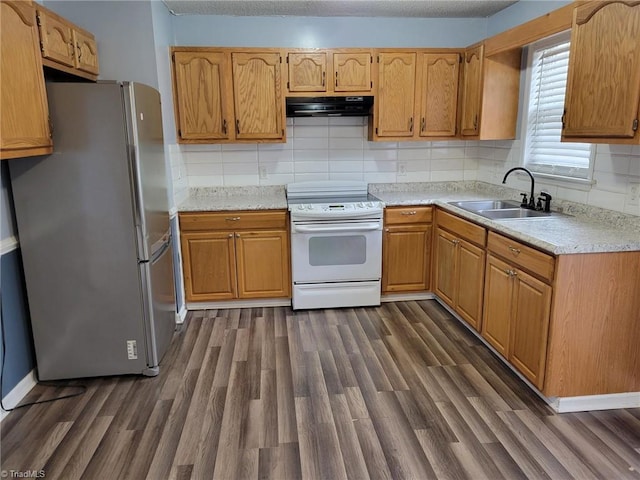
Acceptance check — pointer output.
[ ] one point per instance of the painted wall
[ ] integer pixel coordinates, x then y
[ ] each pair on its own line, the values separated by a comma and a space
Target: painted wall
124, 32
327, 32
521, 12
13, 303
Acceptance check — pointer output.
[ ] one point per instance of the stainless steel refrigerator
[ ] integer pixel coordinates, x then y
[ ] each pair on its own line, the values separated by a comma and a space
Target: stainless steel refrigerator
93, 226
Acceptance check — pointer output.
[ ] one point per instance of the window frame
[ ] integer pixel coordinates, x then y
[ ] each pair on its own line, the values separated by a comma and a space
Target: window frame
531, 49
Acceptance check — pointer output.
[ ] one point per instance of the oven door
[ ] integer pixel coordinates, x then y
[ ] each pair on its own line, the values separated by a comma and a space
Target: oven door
336, 251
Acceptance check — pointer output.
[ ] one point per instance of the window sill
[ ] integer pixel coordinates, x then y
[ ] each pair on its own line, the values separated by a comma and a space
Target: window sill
570, 182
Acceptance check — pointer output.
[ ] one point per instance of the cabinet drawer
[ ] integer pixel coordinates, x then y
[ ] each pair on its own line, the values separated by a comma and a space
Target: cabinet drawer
527, 258
462, 228
404, 215
232, 220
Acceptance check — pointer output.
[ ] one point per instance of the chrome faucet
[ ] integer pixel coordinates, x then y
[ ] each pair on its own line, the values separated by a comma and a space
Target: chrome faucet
531, 203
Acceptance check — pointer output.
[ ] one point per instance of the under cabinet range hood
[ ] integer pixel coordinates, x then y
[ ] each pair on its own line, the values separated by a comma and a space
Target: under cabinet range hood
355, 106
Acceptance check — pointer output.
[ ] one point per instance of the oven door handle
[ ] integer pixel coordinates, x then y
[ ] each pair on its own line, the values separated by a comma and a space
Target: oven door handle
361, 227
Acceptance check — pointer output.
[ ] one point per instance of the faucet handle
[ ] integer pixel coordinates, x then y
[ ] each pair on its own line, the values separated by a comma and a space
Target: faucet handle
524, 200
547, 200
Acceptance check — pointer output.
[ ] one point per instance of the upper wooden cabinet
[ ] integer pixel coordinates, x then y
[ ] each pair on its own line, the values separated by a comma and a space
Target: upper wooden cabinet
416, 95
203, 98
329, 72
225, 95
471, 91
395, 100
24, 115
66, 46
307, 72
258, 97
489, 94
352, 71
603, 87
437, 90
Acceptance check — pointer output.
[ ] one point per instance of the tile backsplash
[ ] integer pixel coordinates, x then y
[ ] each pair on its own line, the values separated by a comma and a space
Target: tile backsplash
337, 148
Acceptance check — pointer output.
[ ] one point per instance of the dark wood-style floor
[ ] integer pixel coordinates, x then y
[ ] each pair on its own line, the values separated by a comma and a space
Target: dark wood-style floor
397, 391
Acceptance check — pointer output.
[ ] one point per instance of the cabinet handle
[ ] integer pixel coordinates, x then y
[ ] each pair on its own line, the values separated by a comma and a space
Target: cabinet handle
232, 219
411, 124
336, 79
79, 51
411, 212
475, 121
238, 127
515, 251
323, 77
224, 126
73, 49
423, 125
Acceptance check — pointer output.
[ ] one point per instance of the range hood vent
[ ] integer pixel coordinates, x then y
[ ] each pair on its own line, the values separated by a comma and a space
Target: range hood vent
329, 106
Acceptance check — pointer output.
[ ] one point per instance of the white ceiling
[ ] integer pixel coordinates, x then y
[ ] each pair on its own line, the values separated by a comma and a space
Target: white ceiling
339, 8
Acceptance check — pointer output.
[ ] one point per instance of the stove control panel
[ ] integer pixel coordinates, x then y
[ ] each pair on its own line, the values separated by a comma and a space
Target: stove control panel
335, 207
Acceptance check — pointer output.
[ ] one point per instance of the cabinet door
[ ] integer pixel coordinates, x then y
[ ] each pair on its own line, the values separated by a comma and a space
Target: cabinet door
498, 294
258, 96
352, 72
86, 52
471, 91
263, 264
530, 326
56, 38
209, 266
470, 278
395, 100
603, 85
438, 89
405, 260
446, 268
24, 115
203, 95
307, 72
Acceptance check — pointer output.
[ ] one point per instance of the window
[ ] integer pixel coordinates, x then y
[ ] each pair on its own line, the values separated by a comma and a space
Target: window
543, 152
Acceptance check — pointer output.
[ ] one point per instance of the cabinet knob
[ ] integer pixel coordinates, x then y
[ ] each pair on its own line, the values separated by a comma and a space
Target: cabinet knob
386, 229
237, 235
230, 235
455, 241
515, 251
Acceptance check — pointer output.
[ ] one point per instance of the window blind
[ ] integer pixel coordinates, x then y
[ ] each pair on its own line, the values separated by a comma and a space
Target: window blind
544, 152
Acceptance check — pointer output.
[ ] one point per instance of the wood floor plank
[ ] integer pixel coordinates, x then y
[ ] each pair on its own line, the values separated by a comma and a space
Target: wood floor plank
401, 390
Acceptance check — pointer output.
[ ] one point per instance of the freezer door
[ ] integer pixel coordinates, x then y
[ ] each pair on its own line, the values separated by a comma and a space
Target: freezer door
148, 170
159, 300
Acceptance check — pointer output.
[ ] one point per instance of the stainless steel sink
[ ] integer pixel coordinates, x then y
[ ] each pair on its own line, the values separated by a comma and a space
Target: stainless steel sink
500, 209
512, 213
476, 205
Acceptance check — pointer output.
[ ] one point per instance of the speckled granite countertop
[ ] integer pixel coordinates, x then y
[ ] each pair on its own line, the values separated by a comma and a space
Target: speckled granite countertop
583, 229
234, 198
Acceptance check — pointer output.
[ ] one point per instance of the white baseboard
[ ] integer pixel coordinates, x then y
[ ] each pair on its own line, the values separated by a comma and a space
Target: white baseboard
181, 315
15, 396
9, 244
259, 302
406, 297
595, 402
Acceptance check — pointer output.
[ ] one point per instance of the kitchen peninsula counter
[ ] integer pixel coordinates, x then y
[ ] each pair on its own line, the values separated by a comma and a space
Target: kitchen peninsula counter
579, 229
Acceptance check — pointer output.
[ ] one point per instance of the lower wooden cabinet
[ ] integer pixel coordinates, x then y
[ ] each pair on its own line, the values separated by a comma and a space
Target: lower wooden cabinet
517, 306
459, 266
406, 249
250, 261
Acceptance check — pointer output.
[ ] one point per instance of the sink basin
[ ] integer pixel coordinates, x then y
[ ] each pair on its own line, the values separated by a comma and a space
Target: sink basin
500, 209
476, 205
512, 213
